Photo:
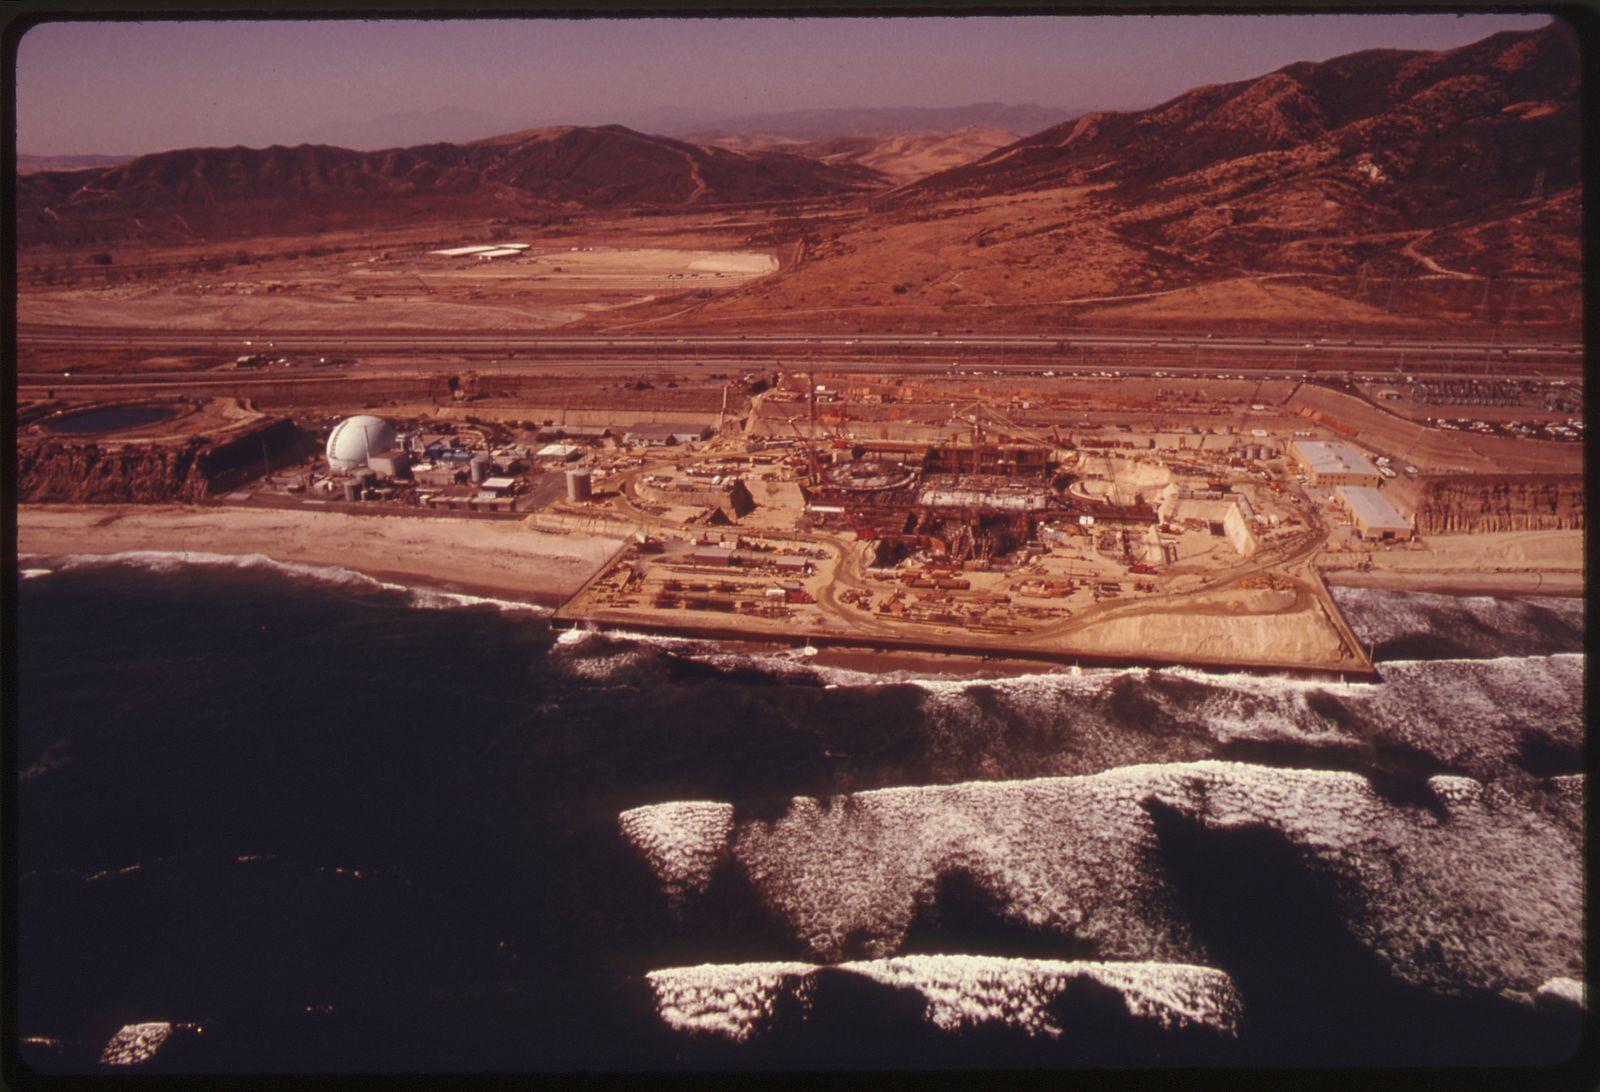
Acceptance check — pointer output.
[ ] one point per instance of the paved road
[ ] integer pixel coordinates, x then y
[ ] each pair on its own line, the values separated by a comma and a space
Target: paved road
710, 366
863, 344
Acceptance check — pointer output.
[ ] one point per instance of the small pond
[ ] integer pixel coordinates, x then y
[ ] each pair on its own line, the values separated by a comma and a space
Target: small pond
111, 418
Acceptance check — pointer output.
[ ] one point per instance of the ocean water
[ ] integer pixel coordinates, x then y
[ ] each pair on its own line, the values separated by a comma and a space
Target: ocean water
332, 824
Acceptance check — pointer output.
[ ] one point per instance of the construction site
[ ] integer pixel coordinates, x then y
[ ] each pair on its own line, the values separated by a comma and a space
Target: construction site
1069, 518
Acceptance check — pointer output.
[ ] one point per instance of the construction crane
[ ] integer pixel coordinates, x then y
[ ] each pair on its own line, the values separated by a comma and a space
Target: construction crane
1011, 428
811, 397
815, 466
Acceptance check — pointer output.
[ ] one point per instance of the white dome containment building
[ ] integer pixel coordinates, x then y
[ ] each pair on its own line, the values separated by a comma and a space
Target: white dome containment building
355, 439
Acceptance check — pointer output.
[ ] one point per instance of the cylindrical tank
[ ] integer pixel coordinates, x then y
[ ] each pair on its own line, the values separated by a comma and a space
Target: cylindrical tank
352, 491
479, 465
579, 487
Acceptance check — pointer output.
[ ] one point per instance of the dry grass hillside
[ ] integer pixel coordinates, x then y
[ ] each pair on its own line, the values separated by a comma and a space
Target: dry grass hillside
899, 158
1387, 188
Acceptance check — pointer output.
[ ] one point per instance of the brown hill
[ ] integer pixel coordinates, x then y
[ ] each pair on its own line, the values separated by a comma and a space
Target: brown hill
1385, 187
243, 191
1382, 139
900, 158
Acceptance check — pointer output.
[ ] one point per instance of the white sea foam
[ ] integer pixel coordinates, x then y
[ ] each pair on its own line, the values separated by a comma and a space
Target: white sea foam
967, 991
173, 560
1490, 897
1491, 621
682, 842
134, 1044
731, 1000
793, 663
1566, 990
737, 1001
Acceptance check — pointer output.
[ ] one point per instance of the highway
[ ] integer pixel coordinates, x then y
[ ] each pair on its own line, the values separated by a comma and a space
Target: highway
228, 378
1108, 356
244, 341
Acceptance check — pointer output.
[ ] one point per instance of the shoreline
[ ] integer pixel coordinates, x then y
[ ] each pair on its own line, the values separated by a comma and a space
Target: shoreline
876, 648
510, 562
491, 559
1500, 585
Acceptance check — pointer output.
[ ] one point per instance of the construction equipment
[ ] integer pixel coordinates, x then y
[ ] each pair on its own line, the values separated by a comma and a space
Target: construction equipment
814, 466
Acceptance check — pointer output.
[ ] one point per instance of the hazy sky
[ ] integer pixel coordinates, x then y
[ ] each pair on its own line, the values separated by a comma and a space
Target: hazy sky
140, 87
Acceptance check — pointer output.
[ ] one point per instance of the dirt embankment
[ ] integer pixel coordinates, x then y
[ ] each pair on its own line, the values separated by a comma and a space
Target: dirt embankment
60, 471
1431, 448
1482, 503
1302, 637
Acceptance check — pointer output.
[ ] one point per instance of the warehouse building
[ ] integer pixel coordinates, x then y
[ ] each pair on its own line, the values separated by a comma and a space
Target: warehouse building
1335, 463
658, 435
559, 452
1374, 516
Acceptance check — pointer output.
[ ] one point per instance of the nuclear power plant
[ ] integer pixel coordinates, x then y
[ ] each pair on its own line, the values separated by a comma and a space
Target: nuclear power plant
355, 440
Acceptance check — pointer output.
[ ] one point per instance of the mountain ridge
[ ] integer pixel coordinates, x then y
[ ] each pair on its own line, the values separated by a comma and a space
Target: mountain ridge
881, 121
555, 167
1292, 194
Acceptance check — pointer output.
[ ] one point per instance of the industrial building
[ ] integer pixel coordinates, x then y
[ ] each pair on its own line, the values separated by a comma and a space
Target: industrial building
393, 463
355, 440
1374, 516
659, 435
1331, 462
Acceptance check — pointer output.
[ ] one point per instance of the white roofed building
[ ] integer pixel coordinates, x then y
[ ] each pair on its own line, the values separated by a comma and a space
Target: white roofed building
1331, 462
1374, 516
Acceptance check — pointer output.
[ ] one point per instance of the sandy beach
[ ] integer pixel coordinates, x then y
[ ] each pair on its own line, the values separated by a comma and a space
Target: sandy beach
1503, 563
482, 557
1462, 583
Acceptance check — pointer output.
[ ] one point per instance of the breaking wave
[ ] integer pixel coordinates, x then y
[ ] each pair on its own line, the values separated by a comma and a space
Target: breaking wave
1480, 889
167, 561
740, 1001
1427, 626
1404, 626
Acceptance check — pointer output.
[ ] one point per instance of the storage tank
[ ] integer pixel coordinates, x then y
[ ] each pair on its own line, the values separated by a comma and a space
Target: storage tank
579, 487
479, 466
